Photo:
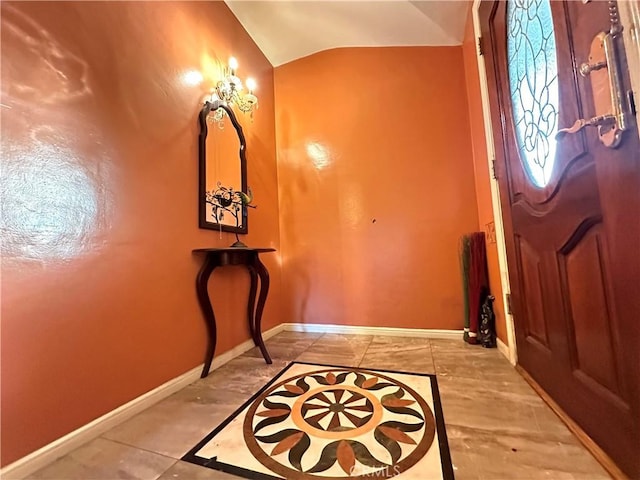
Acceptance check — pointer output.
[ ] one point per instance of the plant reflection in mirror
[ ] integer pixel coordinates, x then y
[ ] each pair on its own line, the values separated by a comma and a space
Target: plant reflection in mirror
227, 201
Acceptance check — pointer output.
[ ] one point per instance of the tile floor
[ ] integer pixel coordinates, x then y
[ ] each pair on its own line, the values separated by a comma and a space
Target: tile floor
498, 428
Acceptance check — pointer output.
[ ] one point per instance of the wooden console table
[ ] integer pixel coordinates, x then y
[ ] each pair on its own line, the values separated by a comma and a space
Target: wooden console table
219, 257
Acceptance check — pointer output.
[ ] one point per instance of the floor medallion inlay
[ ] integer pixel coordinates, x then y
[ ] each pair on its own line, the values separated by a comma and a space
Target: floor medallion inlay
333, 422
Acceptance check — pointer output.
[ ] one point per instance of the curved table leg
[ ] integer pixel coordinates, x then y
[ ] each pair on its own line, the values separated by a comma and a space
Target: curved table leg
262, 298
251, 305
202, 281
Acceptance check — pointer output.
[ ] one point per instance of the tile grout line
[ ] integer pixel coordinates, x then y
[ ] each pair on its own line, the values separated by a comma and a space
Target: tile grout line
314, 342
365, 351
433, 361
120, 442
308, 348
172, 465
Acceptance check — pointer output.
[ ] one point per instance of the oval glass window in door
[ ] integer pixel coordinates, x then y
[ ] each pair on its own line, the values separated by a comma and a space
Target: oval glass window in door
533, 82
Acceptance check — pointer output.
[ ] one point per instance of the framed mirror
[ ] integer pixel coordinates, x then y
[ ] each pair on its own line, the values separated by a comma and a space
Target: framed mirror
223, 191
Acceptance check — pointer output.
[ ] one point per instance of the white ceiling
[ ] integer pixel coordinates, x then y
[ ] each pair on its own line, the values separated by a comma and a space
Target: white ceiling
287, 30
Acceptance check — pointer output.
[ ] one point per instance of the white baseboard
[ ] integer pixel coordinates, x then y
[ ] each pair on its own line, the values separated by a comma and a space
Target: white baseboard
387, 331
40, 458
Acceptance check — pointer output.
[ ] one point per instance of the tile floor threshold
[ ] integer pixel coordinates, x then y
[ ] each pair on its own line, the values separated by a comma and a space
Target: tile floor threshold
497, 426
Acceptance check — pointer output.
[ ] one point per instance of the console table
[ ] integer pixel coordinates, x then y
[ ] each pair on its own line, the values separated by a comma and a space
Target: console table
250, 258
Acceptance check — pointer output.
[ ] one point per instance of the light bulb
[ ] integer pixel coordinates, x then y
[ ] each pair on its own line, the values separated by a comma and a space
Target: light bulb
251, 84
233, 63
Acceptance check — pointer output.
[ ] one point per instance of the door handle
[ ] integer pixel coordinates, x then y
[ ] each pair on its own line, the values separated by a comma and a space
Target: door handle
603, 122
587, 68
613, 115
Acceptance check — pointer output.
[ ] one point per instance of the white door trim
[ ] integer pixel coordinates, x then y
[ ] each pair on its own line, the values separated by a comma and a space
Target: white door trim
495, 192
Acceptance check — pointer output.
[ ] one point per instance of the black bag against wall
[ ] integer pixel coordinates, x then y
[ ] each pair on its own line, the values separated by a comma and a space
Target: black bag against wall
487, 321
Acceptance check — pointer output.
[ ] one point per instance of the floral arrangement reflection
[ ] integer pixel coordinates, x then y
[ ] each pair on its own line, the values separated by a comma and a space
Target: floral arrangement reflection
227, 201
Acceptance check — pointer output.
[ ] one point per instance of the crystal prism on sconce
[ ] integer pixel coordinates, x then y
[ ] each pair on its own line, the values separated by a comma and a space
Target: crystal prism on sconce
230, 91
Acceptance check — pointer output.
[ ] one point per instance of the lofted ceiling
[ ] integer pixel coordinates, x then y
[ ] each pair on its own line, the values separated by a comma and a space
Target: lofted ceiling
287, 30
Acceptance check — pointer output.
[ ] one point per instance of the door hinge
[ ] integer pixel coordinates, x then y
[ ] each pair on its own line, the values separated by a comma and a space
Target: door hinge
494, 171
507, 298
480, 46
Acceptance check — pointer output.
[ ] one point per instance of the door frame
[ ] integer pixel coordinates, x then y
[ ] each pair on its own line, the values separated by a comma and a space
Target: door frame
495, 191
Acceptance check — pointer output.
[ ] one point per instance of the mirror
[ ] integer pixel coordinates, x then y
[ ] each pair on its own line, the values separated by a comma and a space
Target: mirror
224, 195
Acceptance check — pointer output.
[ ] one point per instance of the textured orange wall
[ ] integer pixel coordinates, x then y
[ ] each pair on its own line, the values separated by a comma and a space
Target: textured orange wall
481, 168
376, 185
99, 188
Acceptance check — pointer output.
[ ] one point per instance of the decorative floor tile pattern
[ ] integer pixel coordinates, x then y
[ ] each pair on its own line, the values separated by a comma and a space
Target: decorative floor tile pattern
318, 421
483, 398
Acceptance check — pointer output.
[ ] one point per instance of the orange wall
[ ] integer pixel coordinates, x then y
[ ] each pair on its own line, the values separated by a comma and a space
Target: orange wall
99, 187
481, 169
376, 185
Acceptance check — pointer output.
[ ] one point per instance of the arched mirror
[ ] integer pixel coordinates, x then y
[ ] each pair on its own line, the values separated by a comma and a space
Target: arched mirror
224, 194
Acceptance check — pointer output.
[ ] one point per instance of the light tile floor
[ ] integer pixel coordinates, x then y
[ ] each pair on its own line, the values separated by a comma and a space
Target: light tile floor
498, 428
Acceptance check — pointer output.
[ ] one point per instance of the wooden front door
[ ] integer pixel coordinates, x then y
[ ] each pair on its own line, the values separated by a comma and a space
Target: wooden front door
571, 209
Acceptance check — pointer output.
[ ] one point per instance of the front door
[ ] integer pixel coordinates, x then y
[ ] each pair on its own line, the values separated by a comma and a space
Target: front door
571, 209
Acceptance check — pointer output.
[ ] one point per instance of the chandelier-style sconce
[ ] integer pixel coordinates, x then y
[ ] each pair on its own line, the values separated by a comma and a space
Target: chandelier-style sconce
230, 91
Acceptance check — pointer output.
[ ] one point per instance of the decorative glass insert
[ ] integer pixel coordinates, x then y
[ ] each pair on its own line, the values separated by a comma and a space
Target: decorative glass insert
533, 81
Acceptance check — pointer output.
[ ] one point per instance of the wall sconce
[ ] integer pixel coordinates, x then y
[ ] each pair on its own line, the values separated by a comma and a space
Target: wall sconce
230, 91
